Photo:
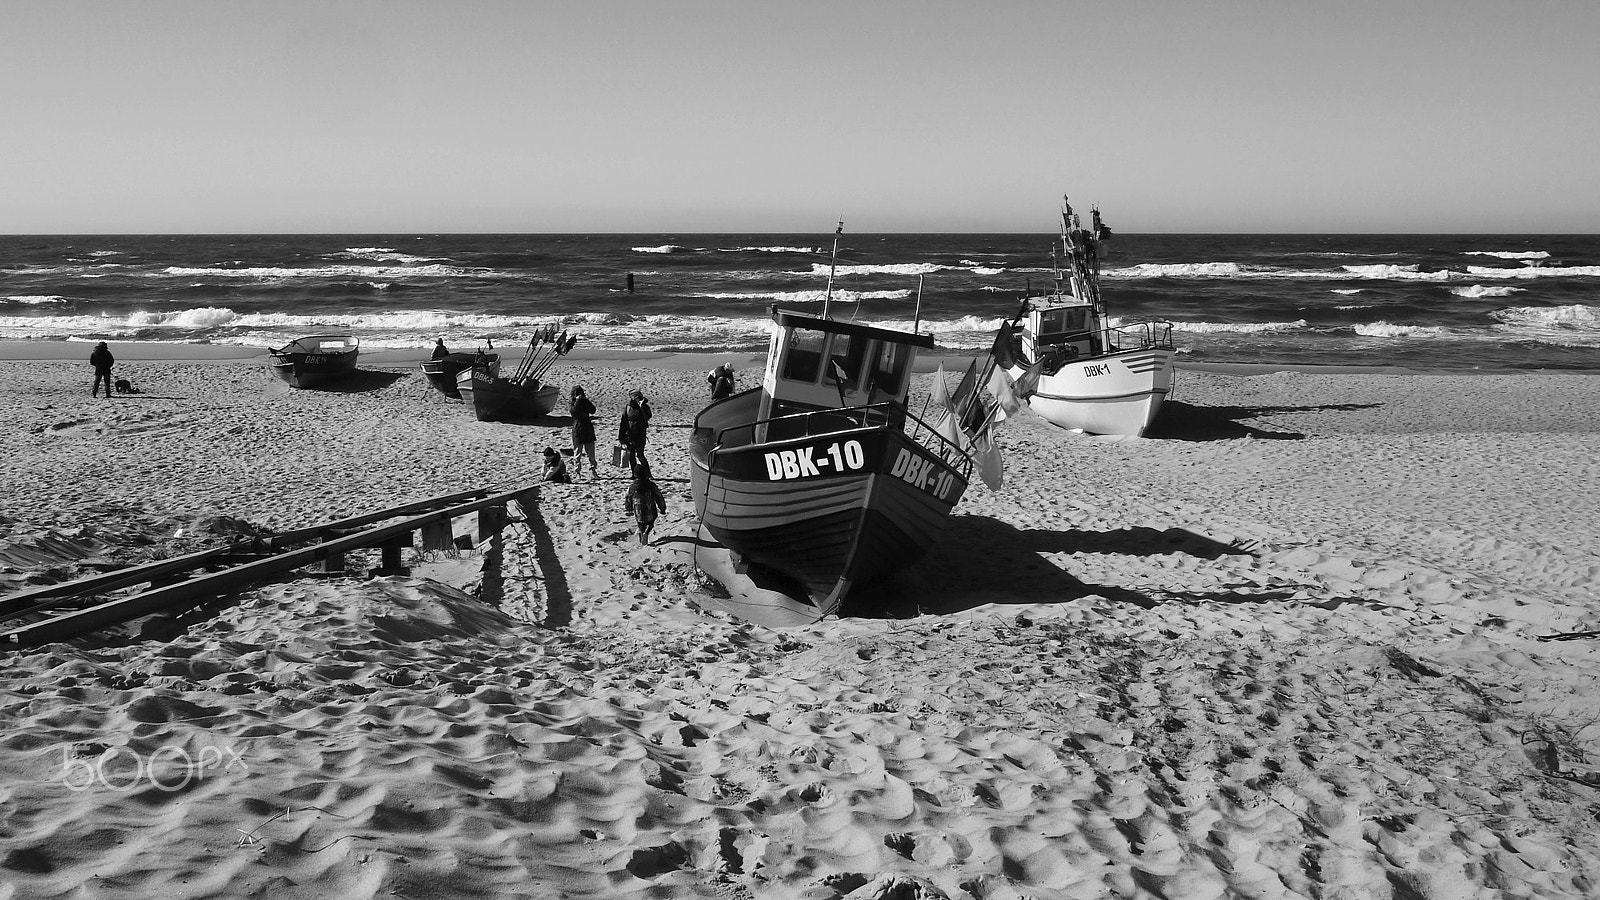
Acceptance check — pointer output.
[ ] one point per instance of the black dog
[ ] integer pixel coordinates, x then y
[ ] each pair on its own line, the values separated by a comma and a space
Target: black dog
124, 386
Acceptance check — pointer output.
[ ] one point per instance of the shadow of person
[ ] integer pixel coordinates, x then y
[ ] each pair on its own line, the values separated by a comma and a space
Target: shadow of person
360, 381
982, 560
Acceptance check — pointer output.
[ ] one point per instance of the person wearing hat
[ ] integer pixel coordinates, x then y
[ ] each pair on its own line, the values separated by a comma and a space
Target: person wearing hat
102, 360
439, 349
721, 379
581, 409
555, 468
631, 429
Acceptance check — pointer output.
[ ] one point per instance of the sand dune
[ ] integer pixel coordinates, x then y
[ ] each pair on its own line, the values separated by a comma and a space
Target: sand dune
1322, 637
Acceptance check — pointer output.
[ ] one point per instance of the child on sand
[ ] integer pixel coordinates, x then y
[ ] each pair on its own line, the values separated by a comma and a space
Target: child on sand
644, 500
555, 468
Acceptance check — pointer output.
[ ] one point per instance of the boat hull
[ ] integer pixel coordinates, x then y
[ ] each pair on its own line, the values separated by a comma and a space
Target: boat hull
305, 370
496, 399
1114, 394
829, 511
443, 371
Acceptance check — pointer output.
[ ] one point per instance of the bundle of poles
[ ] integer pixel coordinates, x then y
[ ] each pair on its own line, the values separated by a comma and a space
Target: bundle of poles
545, 347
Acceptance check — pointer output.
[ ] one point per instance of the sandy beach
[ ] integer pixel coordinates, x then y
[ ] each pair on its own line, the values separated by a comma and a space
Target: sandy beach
1324, 634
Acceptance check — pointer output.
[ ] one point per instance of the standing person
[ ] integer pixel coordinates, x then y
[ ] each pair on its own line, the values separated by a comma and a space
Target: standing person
644, 501
721, 379
102, 360
631, 429
555, 468
582, 410
439, 349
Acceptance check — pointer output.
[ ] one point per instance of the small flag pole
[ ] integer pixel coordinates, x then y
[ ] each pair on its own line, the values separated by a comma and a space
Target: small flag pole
833, 262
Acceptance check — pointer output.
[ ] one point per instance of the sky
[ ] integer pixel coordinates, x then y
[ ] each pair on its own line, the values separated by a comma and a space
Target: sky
682, 116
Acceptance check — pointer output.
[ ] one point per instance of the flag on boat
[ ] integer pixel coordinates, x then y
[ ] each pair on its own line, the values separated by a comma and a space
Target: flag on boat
986, 453
1028, 381
946, 425
1004, 396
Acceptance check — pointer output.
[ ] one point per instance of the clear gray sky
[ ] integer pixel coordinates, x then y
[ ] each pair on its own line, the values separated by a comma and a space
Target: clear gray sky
684, 115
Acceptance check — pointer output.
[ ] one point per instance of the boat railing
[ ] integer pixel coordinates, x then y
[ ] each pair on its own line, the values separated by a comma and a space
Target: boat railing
1138, 334
820, 422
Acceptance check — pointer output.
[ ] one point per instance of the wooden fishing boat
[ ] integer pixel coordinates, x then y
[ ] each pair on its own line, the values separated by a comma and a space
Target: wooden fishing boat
820, 479
311, 361
441, 371
1079, 370
523, 395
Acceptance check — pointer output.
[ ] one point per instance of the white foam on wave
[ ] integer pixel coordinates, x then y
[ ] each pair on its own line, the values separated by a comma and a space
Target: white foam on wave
1478, 291
664, 248
1535, 272
1511, 254
1574, 315
361, 272
1238, 327
201, 317
1346, 290
839, 296
1178, 270
1396, 273
383, 254
34, 299
1386, 329
765, 250
889, 269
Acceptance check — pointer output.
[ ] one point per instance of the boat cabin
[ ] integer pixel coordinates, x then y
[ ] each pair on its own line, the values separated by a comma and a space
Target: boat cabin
815, 364
1060, 325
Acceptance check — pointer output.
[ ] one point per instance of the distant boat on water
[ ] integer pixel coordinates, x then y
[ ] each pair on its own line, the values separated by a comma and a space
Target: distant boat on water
1077, 369
820, 479
315, 360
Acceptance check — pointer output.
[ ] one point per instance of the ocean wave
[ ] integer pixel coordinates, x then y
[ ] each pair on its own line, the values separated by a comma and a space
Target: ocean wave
1346, 290
1397, 273
361, 272
813, 296
1478, 291
667, 248
34, 300
1385, 329
763, 250
1535, 272
1177, 270
887, 269
203, 317
382, 254
1238, 327
1511, 254
1573, 316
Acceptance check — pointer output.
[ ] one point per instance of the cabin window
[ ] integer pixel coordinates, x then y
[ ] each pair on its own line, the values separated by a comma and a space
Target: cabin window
803, 360
889, 374
846, 352
1069, 320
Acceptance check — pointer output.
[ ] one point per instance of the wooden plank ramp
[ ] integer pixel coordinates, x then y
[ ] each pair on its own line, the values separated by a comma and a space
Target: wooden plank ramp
242, 564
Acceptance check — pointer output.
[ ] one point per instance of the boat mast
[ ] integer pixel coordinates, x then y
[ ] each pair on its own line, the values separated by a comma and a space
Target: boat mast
916, 318
833, 261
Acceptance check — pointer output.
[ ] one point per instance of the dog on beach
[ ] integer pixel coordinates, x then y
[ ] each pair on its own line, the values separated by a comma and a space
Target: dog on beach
124, 386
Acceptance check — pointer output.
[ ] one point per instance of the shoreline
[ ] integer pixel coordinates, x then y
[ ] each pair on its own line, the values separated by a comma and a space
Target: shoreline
164, 352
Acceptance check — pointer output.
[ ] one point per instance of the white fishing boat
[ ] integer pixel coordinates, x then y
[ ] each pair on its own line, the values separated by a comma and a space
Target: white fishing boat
315, 360
1077, 367
820, 479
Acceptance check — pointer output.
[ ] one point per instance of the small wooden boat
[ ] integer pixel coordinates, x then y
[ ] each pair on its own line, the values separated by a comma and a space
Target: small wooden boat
523, 396
441, 371
310, 361
1078, 370
820, 479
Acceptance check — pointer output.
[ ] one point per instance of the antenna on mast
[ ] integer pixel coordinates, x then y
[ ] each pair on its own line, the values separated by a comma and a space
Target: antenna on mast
833, 261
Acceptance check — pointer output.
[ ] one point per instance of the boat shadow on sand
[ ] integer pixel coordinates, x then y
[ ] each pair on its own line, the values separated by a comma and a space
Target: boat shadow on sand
984, 561
359, 381
1181, 421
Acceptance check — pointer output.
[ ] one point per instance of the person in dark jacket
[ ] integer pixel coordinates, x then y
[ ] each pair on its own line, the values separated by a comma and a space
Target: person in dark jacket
102, 360
582, 411
555, 468
644, 501
439, 349
631, 429
721, 379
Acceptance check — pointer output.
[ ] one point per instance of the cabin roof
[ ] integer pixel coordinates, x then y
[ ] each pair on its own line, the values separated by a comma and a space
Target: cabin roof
787, 318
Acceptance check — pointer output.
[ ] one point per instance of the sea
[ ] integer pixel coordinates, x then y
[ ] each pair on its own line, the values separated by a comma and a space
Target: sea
1490, 302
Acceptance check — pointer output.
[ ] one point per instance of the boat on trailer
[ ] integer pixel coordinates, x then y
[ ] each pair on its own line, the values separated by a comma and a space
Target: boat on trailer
1092, 375
524, 395
820, 479
314, 360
